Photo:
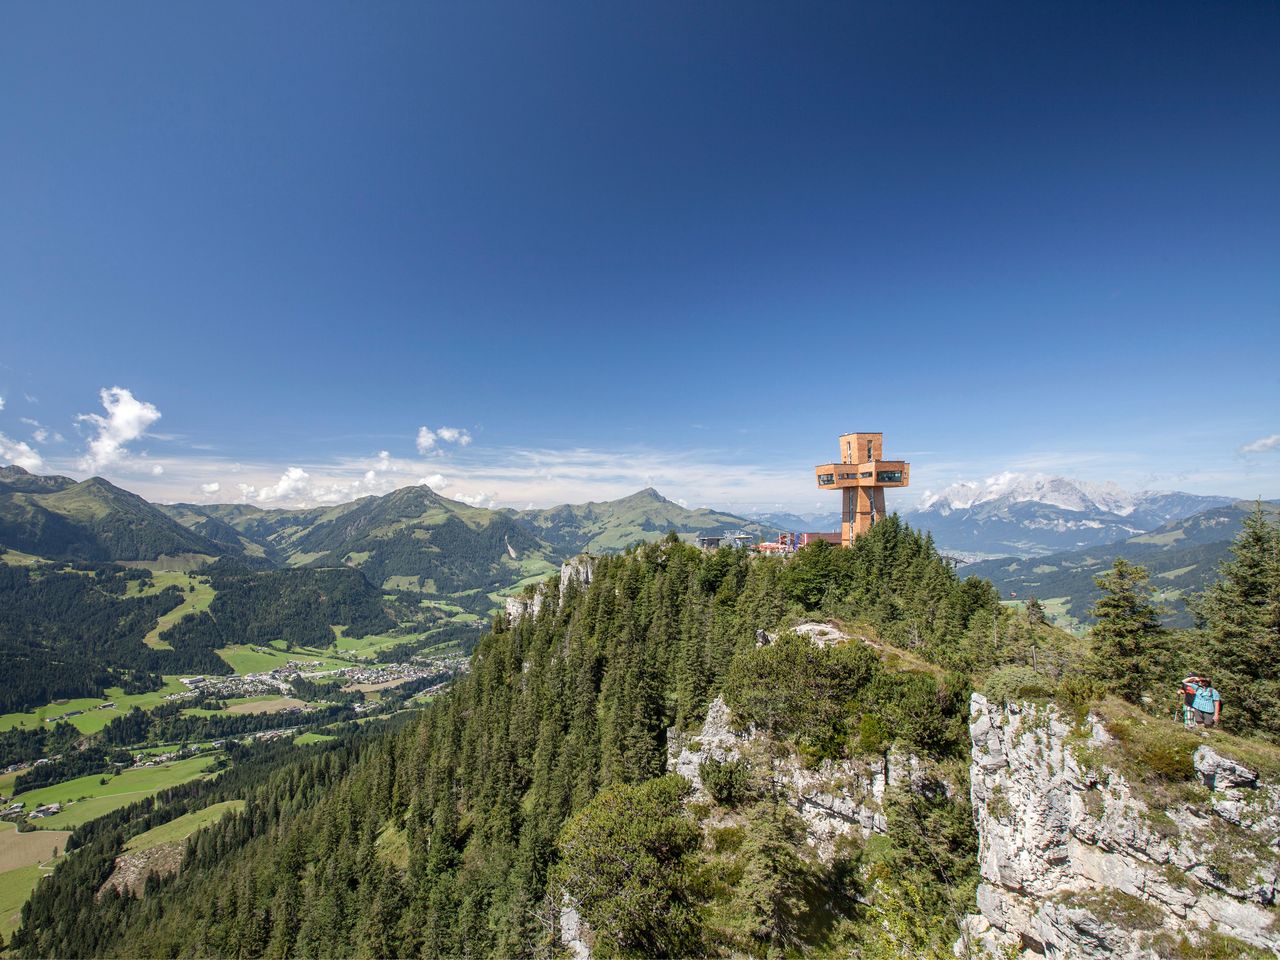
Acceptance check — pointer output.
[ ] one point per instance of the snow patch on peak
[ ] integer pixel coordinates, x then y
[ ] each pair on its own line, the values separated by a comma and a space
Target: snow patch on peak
1012, 487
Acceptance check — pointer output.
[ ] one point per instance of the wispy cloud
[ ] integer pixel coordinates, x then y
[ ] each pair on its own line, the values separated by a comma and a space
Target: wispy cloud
1262, 444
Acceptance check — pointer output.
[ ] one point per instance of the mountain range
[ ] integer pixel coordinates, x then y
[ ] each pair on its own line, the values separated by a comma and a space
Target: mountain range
1031, 515
1182, 557
412, 539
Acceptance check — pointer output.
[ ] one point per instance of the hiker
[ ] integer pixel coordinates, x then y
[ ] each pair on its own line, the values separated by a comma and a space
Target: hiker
1206, 704
1189, 687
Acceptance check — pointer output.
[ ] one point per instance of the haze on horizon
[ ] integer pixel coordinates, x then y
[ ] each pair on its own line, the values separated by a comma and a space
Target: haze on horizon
543, 254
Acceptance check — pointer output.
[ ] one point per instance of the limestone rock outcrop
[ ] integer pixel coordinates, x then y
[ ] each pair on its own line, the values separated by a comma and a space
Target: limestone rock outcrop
1076, 861
834, 800
530, 604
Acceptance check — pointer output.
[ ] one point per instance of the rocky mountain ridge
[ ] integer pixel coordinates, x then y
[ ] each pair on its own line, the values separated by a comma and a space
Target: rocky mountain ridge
1023, 514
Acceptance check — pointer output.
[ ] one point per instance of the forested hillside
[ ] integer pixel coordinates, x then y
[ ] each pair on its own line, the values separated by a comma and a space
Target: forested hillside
463, 834
617, 524
1182, 557
76, 631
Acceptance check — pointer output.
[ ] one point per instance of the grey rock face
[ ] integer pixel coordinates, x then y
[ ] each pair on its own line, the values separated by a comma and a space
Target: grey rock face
1075, 863
529, 605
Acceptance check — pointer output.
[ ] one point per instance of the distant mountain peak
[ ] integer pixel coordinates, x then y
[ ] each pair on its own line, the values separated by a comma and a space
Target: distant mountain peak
1013, 487
648, 493
1033, 513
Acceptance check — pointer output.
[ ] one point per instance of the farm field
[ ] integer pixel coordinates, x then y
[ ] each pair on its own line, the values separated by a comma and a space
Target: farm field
24, 858
92, 719
246, 659
312, 737
249, 705
24, 849
183, 826
86, 797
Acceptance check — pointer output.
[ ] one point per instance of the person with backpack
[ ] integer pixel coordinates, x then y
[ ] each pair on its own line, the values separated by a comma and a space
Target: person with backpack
1206, 702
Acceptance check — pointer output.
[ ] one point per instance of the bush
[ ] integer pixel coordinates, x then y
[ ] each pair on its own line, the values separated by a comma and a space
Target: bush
873, 736
627, 859
1077, 695
725, 780
1009, 684
793, 688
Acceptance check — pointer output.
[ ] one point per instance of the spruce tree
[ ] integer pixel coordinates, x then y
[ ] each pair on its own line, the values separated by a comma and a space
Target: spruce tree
1241, 617
1035, 610
1129, 645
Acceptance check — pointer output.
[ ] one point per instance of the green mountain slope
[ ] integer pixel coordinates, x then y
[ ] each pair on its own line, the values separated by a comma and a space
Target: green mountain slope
1182, 558
616, 524
538, 778
60, 519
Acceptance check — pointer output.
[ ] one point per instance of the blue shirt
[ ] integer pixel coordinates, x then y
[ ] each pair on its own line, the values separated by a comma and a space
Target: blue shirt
1206, 697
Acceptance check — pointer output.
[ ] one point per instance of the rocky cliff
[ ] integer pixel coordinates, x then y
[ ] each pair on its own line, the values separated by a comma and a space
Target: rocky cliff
834, 800
1079, 860
529, 604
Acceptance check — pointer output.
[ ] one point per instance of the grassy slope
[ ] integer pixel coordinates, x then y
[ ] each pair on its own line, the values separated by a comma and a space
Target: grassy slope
86, 797
193, 602
183, 826
93, 719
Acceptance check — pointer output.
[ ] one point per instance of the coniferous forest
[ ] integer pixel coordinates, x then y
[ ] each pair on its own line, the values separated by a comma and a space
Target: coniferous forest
464, 831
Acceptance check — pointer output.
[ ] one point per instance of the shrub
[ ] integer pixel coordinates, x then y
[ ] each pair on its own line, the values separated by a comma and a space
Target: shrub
1009, 684
725, 780
1077, 695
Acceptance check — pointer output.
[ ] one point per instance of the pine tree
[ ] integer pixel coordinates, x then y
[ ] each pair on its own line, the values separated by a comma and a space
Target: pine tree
1035, 610
1241, 617
1130, 647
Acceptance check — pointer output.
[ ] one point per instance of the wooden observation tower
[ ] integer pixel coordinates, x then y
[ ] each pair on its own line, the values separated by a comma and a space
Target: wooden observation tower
861, 476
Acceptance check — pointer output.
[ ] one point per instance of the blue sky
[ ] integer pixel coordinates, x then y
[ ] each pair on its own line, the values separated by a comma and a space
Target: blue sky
617, 244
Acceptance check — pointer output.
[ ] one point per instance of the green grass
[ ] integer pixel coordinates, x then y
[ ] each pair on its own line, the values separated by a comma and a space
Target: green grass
92, 720
244, 659
192, 602
183, 826
312, 737
1160, 539
15, 558
15, 888
402, 583
364, 646
93, 798
1172, 574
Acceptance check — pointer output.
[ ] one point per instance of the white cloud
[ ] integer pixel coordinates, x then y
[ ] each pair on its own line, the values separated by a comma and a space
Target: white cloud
38, 432
127, 419
156, 470
210, 487
428, 438
1, 403
480, 499
454, 435
1262, 444
19, 453
436, 481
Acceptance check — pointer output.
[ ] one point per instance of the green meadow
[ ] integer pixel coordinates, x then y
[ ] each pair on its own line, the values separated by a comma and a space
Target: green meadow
183, 826
92, 720
193, 600
87, 797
